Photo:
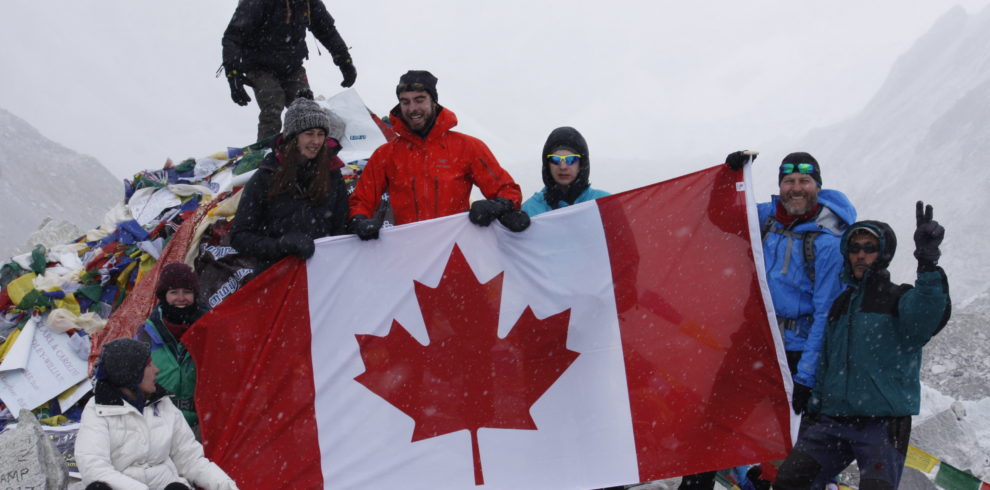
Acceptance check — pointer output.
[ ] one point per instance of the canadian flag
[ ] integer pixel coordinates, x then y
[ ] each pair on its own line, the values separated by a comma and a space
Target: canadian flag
622, 340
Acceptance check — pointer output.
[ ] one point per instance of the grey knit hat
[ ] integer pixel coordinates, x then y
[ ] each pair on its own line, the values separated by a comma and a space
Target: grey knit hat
122, 362
304, 113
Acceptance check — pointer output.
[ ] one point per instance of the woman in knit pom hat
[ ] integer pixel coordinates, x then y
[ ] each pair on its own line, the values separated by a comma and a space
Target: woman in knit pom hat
297, 193
132, 436
177, 310
566, 170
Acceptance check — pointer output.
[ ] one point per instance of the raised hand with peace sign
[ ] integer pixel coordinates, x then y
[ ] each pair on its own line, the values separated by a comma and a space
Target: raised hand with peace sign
927, 237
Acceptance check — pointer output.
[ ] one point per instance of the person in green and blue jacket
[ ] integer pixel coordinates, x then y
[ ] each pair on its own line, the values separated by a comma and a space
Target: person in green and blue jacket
868, 383
177, 310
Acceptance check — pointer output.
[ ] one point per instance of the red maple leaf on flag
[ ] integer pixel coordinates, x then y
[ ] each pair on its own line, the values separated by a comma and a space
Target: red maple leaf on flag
466, 377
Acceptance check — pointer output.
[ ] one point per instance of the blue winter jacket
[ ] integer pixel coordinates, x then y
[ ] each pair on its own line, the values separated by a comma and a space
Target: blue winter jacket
871, 358
791, 289
538, 204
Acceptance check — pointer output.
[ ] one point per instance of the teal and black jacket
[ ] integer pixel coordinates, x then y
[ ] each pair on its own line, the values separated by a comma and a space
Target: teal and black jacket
870, 362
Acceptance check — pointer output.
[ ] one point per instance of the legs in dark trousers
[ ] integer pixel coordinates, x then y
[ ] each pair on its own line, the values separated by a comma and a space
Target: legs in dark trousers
827, 445
273, 95
698, 481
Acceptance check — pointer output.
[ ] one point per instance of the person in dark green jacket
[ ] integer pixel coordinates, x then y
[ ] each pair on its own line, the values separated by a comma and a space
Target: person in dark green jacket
868, 383
177, 310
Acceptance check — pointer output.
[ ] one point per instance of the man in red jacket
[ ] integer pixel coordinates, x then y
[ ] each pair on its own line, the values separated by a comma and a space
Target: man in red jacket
428, 171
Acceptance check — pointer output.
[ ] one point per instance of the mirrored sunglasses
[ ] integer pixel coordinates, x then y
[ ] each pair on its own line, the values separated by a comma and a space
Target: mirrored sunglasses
565, 159
801, 168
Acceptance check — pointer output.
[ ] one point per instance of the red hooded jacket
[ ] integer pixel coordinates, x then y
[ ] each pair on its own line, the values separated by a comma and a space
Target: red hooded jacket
431, 177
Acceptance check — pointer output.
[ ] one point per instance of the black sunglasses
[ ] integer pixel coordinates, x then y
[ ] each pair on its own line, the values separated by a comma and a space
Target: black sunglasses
870, 248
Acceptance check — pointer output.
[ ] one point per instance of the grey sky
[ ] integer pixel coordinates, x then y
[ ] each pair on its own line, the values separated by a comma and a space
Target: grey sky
132, 82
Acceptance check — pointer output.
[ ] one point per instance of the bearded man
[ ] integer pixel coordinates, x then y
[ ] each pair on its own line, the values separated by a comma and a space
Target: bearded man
428, 171
801, 228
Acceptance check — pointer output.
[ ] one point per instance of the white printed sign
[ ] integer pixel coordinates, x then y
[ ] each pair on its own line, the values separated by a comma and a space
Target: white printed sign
48, 368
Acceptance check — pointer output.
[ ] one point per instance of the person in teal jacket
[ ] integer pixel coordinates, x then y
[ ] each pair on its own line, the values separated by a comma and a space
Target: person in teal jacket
566, 168
177, 310
869, 370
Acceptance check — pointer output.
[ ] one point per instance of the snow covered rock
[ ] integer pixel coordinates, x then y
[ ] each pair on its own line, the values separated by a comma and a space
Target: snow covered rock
951, 439
912, 479
955, 361
50, 233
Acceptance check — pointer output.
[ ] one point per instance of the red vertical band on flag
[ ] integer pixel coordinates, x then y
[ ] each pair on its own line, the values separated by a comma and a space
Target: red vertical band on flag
705, 387
254, 392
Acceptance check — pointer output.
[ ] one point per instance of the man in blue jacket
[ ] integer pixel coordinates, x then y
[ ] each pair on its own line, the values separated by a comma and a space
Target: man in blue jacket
801, 228
869, 373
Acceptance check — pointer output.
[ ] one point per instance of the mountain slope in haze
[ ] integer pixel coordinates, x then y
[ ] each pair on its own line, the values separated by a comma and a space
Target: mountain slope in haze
924, 136
41, 179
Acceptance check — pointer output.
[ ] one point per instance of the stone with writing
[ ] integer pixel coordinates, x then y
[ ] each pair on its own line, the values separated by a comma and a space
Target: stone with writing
28, 459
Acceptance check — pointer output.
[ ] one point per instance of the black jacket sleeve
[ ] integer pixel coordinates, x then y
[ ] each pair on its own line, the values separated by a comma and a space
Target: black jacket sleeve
341, 208
247, 17
248, 234
323, 28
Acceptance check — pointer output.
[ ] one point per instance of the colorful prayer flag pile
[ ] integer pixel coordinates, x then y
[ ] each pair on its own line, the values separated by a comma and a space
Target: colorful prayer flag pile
76, 296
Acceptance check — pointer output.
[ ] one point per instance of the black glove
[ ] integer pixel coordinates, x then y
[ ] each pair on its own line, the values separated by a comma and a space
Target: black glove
737, 159
297, 243
754, 475
365, 228
927, 237
236, 79
516, 220
800, 397
349, 72
484, 212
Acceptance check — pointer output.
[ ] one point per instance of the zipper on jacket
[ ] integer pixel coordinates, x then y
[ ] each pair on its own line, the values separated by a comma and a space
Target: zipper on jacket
488, 169
853, 301
436, 197
415, 199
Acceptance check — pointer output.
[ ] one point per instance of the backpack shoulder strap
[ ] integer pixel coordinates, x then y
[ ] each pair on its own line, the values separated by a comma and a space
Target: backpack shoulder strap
807, 243
767, 224
809, 253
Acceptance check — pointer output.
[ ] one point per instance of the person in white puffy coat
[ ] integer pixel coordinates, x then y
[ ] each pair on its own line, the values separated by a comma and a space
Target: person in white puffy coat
132, 436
